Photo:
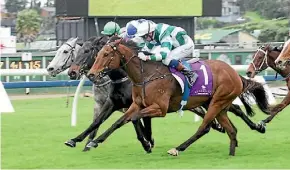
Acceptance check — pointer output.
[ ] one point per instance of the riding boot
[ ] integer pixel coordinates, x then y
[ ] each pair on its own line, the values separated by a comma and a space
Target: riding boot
191, 76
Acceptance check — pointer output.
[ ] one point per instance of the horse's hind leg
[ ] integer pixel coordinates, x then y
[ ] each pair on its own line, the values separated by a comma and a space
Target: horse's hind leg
230, 129
214, 109
238, 112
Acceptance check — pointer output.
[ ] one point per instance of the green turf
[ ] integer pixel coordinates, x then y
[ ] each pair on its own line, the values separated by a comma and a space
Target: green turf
33, 138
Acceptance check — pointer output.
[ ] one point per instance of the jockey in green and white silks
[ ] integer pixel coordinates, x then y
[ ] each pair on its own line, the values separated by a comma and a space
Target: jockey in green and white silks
173, 43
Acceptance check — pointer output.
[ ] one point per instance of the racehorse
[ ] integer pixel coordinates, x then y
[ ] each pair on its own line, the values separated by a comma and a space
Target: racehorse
68, 53
64, 57
265, 57
156, 91
120, 96
284, 58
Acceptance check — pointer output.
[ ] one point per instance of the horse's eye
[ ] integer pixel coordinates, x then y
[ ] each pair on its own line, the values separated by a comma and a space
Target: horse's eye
87, 51
106, 54
65, 51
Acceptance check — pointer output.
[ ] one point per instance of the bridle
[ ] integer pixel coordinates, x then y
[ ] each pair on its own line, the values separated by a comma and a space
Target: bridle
124, 64
71, 56
112, 53
264, 61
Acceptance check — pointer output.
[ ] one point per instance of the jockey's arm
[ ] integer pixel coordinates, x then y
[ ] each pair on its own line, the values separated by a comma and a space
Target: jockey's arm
166, 47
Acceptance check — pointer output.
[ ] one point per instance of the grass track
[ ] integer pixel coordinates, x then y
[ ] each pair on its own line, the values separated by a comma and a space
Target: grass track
33, 138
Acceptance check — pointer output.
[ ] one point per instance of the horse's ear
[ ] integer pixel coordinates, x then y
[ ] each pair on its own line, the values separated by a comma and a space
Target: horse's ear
80, 43
118, 41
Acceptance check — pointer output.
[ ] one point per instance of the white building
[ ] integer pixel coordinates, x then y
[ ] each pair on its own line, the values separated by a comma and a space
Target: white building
230, 11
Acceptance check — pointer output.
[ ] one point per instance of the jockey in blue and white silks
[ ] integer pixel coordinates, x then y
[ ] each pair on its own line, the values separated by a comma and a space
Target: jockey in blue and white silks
173, 43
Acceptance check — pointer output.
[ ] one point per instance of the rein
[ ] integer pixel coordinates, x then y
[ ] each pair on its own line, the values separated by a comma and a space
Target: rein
70, 58
122, 80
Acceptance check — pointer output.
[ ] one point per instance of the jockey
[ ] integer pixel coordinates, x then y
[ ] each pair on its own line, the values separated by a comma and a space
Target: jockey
174, 44
111, 29
122, 32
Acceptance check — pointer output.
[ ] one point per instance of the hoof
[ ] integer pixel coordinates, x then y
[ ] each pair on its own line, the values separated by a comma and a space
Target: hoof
232, 154
70, 143
152, 143
261, 127
218, 128
149, 148
91, 145
173, 152
86, 149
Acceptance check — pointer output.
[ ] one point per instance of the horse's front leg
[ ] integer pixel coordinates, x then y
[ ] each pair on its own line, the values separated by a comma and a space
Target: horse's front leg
215, 125
106, 111
134, 108
97, 111
278, 108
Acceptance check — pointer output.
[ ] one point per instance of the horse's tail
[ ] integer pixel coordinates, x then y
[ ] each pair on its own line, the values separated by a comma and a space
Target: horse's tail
257, 91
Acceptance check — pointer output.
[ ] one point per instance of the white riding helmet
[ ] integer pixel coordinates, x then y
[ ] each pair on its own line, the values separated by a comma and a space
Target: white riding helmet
140, 27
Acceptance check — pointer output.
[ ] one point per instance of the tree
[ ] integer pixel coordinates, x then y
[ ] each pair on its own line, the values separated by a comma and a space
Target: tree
28, 25
267, 35
266, 8
14, 6
281, 34
49, 3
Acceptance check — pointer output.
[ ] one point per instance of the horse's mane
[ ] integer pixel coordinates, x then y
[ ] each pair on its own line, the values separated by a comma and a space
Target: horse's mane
126, 42
92, 39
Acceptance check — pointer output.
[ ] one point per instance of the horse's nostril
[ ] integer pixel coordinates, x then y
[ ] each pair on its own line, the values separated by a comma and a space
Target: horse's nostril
91, 76
280, 62
50, 69
249, 73
72, 73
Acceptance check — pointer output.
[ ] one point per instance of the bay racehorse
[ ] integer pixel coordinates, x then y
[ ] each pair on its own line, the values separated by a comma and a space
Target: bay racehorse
118, 95
265, 57
156, 91
284, 57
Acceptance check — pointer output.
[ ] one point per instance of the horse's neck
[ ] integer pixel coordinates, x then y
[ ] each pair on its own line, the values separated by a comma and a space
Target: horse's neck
272, 64
134, 69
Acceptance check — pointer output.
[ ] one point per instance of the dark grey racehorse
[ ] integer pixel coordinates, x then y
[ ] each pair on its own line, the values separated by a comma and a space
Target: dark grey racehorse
120, 96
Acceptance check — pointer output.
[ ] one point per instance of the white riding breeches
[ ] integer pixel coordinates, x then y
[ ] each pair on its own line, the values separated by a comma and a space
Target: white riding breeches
181, 51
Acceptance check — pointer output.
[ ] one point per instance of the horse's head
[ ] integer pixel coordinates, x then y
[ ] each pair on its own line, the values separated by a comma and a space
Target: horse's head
64, 57
113, 55
284, 57
86, 57
259, 62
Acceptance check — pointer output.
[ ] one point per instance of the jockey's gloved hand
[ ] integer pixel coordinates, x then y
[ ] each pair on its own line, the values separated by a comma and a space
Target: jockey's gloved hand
143, 57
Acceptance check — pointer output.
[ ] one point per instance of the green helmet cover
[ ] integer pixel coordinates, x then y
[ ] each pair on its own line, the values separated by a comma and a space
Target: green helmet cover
111, 28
